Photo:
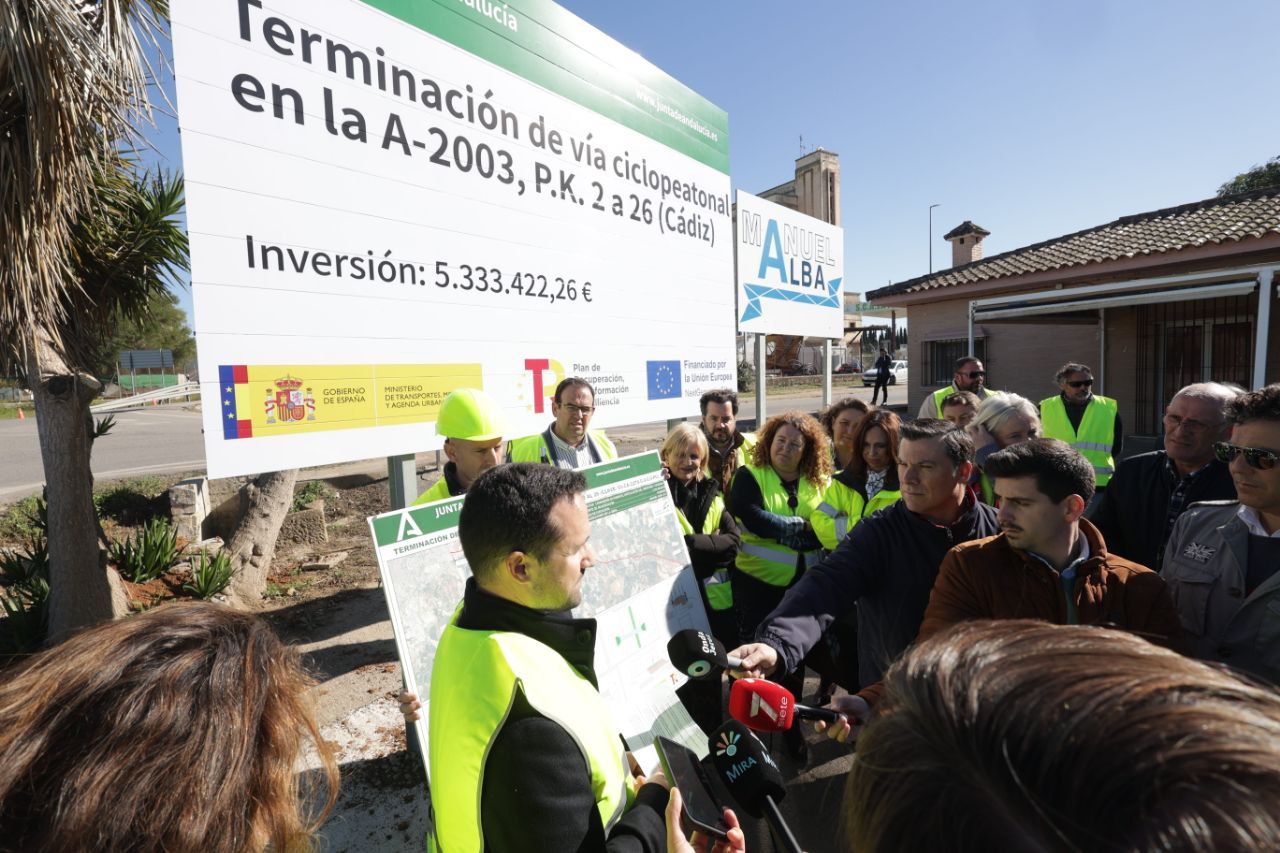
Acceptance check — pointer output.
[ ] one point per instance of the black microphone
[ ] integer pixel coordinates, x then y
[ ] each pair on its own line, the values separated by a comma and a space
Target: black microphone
748, 771
698, 654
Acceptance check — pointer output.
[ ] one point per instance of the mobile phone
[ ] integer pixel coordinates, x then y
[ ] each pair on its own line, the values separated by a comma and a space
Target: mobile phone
701, 812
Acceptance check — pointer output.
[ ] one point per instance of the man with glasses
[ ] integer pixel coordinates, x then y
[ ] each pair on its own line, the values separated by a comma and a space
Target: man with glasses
1148, 492
1222, 562
1089, 423
970, 376
567, 443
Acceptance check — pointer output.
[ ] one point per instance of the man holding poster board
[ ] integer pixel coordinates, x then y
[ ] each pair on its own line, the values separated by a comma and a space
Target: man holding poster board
518, 730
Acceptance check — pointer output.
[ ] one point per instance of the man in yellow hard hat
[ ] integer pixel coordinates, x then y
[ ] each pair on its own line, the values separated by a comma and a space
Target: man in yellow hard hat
473, 427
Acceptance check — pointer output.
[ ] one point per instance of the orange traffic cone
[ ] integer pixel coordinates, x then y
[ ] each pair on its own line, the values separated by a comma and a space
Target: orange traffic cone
22, 416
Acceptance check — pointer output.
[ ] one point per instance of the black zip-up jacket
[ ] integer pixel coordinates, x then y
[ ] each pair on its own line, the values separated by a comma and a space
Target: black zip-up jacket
707, 551
1133, 512
886, 566
537, 795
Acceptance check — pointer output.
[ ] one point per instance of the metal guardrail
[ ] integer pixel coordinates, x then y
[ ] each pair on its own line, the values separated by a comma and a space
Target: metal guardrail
147, 398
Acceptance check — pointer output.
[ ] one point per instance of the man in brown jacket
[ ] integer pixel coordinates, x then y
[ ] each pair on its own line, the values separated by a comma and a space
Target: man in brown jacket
1046, 563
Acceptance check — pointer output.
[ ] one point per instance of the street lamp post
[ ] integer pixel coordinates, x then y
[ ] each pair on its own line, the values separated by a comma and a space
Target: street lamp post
931, 207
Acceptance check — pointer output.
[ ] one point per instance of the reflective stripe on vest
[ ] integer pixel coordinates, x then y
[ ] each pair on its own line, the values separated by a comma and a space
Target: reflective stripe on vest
474, 680
1095, 437
719, 592
765, 559
841, 520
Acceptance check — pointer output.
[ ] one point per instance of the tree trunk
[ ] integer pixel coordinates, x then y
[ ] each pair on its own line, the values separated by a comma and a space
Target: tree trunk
253, 542
83, 589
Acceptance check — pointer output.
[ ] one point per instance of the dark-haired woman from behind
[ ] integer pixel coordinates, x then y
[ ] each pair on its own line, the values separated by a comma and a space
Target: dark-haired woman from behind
176, 729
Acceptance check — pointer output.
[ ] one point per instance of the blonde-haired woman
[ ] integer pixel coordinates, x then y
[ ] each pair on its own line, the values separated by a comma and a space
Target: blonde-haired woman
1003, 420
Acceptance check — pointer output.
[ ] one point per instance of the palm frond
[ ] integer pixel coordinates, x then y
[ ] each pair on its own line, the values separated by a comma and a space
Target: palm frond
72, 87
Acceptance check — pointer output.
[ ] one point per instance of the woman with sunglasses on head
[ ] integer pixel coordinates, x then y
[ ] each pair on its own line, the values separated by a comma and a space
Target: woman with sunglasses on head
1086, 421
773, 498
1222, 560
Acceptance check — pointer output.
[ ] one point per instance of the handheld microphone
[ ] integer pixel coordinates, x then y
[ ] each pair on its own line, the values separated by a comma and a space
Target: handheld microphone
698, 654
751, 776
769, 707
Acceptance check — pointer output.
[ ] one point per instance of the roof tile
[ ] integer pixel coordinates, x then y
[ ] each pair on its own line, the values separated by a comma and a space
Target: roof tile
1216, 220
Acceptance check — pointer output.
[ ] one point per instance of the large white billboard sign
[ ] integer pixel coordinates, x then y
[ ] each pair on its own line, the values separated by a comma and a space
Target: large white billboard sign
389, 199
790, 271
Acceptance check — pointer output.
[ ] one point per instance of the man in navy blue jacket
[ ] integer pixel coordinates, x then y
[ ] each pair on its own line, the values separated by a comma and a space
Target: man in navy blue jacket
886, 565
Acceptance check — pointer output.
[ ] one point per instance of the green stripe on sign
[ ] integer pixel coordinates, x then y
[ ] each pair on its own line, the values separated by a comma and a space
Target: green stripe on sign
396, 527
557, 50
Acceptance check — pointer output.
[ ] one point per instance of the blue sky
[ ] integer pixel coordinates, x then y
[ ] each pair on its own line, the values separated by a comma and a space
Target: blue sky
1031, 118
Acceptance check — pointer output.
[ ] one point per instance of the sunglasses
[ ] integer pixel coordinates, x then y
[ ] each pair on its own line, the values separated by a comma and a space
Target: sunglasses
974, 374
1255, 457
1083, 383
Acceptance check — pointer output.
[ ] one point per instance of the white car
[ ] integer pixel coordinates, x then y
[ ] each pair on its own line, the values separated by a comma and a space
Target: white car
897, 373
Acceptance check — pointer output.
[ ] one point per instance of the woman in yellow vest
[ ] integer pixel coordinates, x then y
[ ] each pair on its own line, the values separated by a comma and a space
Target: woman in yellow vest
711, 536
710, 533
869, 483
773, 498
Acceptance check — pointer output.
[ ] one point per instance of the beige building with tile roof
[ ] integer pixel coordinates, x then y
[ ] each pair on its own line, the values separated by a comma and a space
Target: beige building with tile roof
1152, 302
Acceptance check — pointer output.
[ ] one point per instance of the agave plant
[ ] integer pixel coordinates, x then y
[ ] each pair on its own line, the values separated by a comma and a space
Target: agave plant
149, 554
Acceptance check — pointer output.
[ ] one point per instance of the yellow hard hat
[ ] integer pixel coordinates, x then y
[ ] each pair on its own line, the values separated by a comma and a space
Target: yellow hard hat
471, 415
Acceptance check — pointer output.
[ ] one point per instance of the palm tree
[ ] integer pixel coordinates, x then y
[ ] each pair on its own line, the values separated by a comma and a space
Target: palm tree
82, 239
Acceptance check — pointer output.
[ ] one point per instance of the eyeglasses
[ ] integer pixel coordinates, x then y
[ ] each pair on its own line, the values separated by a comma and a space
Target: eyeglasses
579, 410
1255, 457
1172, 422
1082, 383
976, 374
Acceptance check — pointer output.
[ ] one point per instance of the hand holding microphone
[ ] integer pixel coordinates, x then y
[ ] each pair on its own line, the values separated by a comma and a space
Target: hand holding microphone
699, 655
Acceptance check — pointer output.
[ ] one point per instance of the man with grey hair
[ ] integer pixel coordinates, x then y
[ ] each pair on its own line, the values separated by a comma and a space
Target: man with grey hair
1149, 491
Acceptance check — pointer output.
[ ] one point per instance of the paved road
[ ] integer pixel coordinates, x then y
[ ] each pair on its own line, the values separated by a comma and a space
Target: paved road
168, 439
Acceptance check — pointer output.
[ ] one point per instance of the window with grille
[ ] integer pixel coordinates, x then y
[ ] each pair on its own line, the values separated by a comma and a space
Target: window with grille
940, 358
1204, 340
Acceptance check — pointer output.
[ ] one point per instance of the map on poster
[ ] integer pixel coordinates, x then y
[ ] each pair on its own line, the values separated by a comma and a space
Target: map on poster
391, 199
640, 591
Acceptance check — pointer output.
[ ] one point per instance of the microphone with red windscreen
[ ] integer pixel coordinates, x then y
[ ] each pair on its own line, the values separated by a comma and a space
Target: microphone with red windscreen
769, 707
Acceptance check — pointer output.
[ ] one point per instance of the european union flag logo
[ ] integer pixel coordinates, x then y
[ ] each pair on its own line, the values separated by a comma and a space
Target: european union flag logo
664, 379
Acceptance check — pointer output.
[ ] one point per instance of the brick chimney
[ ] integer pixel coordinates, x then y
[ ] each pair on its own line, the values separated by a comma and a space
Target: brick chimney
966, 243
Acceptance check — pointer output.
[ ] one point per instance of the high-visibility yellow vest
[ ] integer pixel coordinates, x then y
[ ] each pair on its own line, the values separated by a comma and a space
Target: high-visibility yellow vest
843, 507
474, 680
437, 492
947, 390
719, 592
1095, 437
541, 448
767, 559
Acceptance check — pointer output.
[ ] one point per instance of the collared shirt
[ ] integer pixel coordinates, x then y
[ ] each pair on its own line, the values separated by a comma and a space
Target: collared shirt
1178, 495
1253, 521
568, 456
1068, 576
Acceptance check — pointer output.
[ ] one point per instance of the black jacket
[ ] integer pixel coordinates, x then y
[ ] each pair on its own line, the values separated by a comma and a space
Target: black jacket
1132, 514
886, 565
707, 551
537, 787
